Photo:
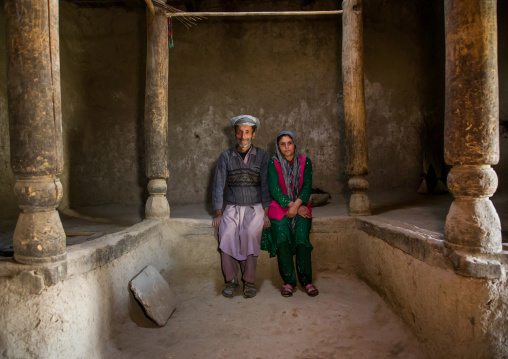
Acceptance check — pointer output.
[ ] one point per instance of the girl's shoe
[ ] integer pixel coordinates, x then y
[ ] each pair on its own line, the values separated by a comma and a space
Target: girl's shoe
286, 290
311, 290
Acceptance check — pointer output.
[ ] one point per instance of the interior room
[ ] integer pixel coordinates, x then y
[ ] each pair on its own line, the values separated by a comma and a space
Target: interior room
108, 169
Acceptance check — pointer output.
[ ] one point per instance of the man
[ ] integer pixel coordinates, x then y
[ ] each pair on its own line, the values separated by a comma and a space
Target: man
243, 171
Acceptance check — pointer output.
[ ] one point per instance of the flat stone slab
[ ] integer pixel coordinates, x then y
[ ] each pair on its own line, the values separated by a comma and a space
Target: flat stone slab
154, 294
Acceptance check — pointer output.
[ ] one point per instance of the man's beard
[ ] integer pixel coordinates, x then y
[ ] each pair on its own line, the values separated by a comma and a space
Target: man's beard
246, 145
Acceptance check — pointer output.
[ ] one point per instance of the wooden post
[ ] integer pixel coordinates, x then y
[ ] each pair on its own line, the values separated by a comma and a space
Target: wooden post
35, 125
354, 107
251, 13
156, 114
472, 125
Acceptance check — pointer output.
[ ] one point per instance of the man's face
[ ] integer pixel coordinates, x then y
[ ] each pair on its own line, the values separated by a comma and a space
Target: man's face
244, 136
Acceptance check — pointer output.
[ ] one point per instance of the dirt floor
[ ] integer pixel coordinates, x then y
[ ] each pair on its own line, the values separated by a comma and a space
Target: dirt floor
346, 320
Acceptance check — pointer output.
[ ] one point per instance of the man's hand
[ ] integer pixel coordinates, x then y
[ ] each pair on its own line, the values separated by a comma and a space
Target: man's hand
266, 222
217, 219
266, 219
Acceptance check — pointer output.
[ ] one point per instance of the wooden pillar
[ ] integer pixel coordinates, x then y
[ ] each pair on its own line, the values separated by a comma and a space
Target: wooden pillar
35, 125
472, 125
354, 107
156, 114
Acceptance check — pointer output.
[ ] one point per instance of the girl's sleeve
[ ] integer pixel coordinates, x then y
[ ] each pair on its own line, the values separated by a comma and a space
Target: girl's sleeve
307, 182
273, 185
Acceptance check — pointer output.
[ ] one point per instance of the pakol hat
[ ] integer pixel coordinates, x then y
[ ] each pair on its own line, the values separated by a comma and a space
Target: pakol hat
244, 120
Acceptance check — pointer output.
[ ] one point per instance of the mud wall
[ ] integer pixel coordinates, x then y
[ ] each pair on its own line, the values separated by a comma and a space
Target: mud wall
71, 318
285, 70
102, 71
453, 316
404, 84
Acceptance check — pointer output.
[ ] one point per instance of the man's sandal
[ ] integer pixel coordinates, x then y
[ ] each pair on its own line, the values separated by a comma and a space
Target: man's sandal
230, 288
286, 290
311, 290
249, 291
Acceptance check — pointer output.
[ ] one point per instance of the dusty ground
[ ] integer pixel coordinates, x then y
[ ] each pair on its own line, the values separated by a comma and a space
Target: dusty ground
346, 320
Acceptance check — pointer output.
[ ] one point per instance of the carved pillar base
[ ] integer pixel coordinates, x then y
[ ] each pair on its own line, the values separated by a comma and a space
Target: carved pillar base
157, 206
359, 204
39, 236
472, 223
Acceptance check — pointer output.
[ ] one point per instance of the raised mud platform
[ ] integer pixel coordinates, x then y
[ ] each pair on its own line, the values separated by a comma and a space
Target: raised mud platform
387, 288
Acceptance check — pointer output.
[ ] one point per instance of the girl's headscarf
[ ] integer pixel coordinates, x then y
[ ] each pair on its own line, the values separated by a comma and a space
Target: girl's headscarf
290, 173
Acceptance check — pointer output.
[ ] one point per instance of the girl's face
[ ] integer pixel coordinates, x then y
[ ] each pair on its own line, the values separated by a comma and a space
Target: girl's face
287, 147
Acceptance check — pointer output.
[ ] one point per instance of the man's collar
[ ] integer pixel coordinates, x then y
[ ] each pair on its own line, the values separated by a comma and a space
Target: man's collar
252, 150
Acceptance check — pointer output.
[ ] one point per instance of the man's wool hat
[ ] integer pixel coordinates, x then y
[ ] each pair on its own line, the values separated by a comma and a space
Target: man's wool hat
244, 120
